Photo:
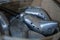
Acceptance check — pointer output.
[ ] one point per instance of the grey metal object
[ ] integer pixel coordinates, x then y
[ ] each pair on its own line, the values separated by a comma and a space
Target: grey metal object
45, 26
37, 11
3, 21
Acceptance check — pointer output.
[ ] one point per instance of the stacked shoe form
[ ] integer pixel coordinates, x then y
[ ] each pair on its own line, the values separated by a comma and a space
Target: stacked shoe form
42, 24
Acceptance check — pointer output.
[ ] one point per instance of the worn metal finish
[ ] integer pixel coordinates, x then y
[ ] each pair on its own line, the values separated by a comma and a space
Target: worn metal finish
37, 11
45, 26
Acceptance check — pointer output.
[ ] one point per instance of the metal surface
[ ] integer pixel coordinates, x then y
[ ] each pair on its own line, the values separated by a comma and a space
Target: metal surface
33, 19
3, 21
43, 27
37, 11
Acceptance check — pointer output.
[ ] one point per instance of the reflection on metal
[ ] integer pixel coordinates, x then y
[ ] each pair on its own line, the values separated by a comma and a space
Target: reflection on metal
37, 11
3, 21
45, 27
